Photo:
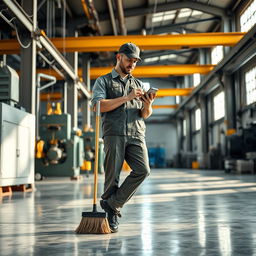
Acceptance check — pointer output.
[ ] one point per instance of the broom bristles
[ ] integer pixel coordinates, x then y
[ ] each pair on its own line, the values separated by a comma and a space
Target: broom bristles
92, 225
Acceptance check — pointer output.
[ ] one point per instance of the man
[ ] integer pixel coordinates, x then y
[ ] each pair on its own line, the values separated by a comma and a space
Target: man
123, 107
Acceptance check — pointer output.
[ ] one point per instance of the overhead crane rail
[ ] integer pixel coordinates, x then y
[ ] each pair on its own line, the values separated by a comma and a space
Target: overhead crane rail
166, 92
145, 42
144, 71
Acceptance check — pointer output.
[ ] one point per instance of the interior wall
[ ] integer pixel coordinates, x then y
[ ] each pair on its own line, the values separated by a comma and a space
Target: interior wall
159, 83
162, 135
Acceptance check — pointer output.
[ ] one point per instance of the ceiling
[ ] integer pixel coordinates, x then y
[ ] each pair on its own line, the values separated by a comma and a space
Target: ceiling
60, 18
139, 17
154, 17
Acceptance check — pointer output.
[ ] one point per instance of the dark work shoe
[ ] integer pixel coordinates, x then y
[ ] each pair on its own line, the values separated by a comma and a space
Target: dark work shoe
112, 215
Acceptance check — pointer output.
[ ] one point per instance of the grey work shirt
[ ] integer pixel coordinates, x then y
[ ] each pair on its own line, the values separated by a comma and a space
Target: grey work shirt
126, 119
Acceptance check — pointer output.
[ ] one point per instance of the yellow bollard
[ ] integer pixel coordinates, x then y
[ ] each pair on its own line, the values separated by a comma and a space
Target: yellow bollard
87, 166
195, 165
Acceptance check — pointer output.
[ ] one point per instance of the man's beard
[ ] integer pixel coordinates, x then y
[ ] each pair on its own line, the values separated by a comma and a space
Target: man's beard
123, 69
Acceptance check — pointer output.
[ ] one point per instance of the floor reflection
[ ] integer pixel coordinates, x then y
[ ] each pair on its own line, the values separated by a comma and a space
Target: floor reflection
175, 212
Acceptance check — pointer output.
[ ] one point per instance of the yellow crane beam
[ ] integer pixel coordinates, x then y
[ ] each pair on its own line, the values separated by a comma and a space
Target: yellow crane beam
53, 96
147, 42
174, 92
160, 93
144, 71
164, 106
167, 92
157, 71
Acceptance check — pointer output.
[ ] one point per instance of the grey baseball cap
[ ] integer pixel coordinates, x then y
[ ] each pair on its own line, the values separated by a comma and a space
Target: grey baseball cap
130, 50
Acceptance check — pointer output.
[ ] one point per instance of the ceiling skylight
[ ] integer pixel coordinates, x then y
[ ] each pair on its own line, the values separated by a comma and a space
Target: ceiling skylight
170, 15
162, 16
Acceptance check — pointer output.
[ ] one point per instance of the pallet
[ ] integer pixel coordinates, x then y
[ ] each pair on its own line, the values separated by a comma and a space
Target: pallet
23, 188
7, 190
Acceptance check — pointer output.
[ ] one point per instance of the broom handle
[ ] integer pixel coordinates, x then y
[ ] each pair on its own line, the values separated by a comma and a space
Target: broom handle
97, 127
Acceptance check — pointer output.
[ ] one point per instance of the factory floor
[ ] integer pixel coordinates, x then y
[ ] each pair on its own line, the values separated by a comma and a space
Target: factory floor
175, 212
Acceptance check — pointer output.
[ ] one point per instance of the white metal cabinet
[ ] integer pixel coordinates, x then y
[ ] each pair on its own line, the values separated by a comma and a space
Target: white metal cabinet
17, 135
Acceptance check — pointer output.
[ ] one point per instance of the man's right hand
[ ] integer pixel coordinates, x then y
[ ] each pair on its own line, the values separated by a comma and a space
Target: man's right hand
111, 104
135, 93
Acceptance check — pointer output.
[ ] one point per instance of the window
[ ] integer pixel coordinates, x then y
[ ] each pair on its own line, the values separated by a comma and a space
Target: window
161, 16
186, 12
217, 54
198, 119
248, 17
250, 83
151, 59
177, 99
161, 58
219, 106
168, 57
196, 79
170, 15
184, 127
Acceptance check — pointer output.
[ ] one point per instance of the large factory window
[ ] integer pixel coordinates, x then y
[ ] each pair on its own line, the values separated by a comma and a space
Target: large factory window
184, 128
196, 79
198, 119
219, 106
250, 83
166, 57
217, 54
177, 99
162, 16
248, 17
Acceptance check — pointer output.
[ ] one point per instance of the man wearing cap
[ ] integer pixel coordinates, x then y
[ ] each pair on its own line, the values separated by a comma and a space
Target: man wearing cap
123, 107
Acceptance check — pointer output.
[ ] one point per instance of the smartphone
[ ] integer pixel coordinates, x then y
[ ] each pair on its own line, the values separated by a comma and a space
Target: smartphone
152, 90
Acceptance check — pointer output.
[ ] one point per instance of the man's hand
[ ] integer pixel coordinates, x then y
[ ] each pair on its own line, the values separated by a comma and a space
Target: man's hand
147, 100
111, 104
135, 93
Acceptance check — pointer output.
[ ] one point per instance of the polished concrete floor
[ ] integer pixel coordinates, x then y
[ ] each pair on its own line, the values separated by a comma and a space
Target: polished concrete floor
175, 212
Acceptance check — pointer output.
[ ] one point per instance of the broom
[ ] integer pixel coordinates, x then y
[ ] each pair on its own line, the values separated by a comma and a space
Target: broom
94, 222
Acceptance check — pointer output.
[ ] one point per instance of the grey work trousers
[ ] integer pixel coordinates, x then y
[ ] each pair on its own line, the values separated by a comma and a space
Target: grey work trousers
134, 151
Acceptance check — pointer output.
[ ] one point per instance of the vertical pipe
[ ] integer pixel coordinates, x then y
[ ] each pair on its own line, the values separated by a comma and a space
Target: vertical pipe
64, 27
86, 114
112, 17
65, 97
33, 64
120, 12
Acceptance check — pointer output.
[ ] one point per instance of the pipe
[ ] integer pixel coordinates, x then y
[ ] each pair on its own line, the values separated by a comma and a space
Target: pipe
121, 19
38, 90
41, 75
112, 17
95, 17
86, 9
91, 14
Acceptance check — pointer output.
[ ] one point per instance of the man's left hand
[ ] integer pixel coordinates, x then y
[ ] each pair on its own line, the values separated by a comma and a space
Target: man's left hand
148, 99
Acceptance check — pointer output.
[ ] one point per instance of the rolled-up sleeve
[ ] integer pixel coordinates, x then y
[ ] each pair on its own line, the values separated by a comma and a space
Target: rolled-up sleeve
98, 91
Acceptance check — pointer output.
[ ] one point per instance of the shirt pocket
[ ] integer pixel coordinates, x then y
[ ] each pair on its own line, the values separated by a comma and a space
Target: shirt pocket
116, 90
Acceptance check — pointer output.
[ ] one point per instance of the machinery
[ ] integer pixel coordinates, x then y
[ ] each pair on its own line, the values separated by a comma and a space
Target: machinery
89, 152
157, 157
241, 150
9, 85
60, 150
17, 133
